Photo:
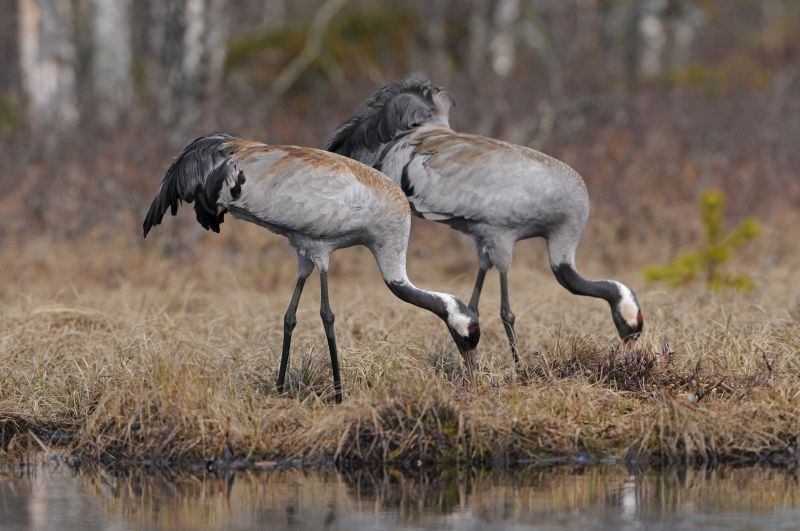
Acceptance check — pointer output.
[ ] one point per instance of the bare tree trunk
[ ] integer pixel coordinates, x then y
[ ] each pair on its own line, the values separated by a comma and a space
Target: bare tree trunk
478, 40
652, 40
633, 50
435, 13
48, 61
663, 31
9, 50
503, 45
111, 58
478, 65
189, 37
684, 19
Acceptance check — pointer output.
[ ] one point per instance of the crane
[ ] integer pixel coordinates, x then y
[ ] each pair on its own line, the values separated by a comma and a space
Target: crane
320, 202
496, 192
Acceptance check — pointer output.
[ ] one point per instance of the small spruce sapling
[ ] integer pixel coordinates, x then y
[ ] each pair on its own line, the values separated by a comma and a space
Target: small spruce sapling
717, 249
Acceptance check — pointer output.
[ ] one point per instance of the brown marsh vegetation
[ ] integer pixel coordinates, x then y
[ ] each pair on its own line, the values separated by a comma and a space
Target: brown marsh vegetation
123, 353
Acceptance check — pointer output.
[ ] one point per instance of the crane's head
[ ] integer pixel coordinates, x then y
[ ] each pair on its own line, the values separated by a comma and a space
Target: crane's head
627, 313
625, 309
463, 326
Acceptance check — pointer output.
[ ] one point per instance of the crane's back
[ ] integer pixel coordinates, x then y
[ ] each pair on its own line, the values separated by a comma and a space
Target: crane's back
288, 189
493, 163
294, 189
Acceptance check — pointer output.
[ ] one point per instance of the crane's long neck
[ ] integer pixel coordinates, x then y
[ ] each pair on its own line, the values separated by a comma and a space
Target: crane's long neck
568, 277
392, 265
561, 247
408, 292
625, 309
461, 322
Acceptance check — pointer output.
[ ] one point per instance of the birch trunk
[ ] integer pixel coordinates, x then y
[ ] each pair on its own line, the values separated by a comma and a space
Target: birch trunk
111, 58
190, 38
48, 61
503, 44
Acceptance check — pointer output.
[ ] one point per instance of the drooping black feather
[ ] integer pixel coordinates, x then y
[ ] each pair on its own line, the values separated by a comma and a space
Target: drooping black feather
405, 182
197, 175
394, 109
236, 191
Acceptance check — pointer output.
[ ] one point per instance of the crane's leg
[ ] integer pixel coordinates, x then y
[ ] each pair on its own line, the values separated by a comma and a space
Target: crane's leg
507, 316
327, 322
476, 291
304, 269
484, 264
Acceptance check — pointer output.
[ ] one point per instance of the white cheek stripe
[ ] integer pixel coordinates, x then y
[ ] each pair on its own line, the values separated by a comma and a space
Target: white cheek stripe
628, 308
457, 320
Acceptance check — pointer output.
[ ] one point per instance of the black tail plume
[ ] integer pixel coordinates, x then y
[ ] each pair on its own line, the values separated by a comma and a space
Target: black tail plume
196, 175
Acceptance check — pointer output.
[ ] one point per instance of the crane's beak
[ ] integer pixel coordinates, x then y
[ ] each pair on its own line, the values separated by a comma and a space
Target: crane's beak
631, 337
469, 359
466, 347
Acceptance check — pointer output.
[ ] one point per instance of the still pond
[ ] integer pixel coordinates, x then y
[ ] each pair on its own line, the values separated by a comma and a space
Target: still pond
600, 497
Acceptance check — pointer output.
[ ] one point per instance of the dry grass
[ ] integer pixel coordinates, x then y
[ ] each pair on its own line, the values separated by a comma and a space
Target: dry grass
118, 352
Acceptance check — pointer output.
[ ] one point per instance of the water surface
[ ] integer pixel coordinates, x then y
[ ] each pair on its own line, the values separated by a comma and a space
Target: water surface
604, 497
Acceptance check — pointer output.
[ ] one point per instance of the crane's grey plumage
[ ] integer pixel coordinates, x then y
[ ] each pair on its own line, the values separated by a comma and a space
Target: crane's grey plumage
496, 192
320, 202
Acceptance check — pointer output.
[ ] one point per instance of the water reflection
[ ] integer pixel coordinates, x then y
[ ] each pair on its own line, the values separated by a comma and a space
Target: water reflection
564, 498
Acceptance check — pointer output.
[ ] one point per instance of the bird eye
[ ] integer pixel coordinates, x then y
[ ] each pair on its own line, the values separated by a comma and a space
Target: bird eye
473, 328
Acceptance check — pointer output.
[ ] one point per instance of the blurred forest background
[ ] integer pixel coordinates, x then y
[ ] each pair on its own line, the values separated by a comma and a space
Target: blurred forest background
652, 101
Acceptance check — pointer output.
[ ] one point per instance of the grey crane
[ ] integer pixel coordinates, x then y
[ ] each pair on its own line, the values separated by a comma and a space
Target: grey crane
320, 202
496, 192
